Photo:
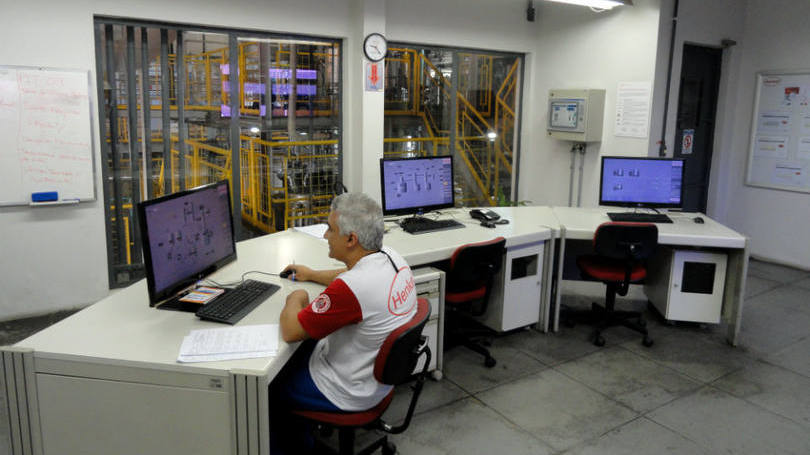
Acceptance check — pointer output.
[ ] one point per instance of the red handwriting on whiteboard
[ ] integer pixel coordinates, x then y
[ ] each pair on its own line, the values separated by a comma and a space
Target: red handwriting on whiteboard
81, 159
72, 143
37, 140
43, 124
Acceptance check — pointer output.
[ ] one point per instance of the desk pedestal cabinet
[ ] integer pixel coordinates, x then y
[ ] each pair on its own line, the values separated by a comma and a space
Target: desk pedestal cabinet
516, 294
430, 285
687, 285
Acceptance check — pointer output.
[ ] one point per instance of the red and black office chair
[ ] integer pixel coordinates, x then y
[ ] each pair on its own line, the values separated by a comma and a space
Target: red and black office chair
470, 276
620, 250
395, 363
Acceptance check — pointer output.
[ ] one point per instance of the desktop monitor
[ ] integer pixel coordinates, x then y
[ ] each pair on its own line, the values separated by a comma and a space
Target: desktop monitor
186, 236
641, 182
416, 185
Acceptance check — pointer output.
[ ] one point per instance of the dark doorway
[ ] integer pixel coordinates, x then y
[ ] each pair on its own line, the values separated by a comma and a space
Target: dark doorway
694, 128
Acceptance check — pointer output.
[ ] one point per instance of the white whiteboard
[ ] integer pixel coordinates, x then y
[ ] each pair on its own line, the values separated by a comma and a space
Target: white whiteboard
779, 152
46, 135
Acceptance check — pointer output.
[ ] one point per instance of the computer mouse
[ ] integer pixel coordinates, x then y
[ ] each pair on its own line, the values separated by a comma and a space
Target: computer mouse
285, 273
488, 224
698, 220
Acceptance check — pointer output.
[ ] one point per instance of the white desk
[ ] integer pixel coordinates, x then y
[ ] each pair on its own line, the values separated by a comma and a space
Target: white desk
528, 227
106, 380
581, 223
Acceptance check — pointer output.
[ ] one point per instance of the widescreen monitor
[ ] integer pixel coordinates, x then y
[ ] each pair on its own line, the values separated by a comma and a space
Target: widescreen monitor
186, 236
641, 182
416, 185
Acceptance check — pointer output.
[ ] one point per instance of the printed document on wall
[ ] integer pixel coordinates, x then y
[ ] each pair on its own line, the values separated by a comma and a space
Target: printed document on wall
774, 122
804, 149
633, 109
771, 147
788, 174
779, 150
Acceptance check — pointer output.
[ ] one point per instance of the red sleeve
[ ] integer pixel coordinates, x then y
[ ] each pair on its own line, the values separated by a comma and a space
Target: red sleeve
336, 307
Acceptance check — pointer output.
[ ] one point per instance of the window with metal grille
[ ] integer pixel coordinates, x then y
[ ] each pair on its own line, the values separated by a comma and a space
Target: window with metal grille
441, 101
182, 106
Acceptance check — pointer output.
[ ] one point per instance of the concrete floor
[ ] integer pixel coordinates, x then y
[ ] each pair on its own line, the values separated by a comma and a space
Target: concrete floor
690, 393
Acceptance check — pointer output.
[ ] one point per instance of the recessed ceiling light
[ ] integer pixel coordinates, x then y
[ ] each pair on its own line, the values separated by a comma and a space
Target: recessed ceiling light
599, 4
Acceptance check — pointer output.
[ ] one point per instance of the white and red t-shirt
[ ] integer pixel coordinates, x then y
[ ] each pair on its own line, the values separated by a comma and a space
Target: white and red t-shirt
351, 319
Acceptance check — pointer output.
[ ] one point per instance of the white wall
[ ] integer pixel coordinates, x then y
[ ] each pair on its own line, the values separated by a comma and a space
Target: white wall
54, 258
580, 49
776, 37
706, 24
567, 47
769, 35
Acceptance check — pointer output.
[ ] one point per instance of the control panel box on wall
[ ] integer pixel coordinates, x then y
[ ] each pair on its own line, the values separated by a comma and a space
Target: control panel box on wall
576, 114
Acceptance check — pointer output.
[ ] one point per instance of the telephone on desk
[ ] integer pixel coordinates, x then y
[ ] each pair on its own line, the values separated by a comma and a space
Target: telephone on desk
484, 215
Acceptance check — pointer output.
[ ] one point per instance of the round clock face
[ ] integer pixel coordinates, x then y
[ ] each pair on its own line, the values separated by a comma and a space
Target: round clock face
375, 46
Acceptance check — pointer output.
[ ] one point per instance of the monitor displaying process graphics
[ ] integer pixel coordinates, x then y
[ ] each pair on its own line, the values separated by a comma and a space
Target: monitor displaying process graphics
185, 235
641, 182
416, 184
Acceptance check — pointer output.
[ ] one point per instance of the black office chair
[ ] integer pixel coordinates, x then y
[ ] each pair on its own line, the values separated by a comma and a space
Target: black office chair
395, 363
470, 275
621, 249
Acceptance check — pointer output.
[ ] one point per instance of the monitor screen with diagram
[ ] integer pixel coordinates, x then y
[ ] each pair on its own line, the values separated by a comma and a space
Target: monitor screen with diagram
641, 182
416, 185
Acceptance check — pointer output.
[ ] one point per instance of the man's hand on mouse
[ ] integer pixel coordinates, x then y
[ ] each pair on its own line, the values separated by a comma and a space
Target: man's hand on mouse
296, 272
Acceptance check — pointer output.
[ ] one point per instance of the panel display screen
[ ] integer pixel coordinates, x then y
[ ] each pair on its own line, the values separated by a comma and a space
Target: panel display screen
416, 185
641, 182
186, 236
564, 114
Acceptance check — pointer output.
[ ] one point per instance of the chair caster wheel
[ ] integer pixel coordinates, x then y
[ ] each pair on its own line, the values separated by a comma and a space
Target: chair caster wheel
599, 340
389, 448
437, 375
647, 342
489, 362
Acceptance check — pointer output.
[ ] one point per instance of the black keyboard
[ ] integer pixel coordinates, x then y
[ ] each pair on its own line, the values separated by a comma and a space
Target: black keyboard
421, 225
236, 303
639, 217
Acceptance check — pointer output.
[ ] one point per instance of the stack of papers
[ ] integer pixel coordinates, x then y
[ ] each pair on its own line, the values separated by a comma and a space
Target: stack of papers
315, 230
244, 342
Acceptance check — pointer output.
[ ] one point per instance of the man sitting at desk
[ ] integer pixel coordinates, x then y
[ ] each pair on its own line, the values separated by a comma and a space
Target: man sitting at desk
360, 307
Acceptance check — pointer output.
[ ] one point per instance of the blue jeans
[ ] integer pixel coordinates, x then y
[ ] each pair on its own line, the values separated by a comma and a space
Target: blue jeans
292, 389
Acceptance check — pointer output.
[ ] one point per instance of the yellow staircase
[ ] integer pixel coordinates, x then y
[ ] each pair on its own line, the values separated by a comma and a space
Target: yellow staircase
483, 130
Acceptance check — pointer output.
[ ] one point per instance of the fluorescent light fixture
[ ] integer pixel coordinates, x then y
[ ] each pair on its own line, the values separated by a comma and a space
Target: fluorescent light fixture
282, 41
492, 135
255, 130
600, 4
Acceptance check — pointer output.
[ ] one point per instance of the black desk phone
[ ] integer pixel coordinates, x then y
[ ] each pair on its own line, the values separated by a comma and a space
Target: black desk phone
484, 215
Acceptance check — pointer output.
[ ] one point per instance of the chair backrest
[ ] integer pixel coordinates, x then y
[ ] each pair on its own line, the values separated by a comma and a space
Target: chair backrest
625, 241
400, 351
473, 265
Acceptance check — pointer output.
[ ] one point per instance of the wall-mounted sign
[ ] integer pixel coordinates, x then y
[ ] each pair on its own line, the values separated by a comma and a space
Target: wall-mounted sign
374, 76
687, 142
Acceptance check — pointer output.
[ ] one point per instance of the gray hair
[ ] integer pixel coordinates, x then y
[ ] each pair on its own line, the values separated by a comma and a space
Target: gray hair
360, 214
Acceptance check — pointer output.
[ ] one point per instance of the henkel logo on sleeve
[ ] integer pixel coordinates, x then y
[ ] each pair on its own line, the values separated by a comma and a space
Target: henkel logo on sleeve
402, 287
321, 304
